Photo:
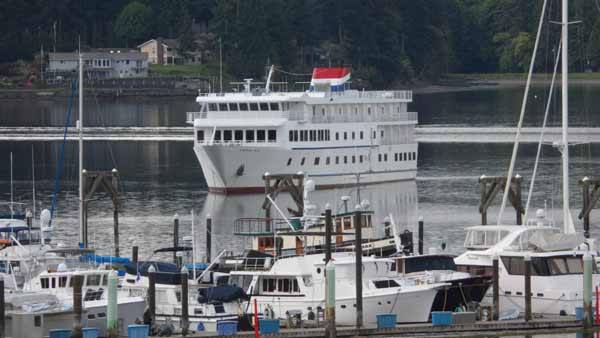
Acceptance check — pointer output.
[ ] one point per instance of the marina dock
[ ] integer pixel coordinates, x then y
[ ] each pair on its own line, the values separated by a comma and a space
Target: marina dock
423, 134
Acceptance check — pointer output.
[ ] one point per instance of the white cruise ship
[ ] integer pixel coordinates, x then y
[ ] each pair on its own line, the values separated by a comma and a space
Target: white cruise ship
335, 135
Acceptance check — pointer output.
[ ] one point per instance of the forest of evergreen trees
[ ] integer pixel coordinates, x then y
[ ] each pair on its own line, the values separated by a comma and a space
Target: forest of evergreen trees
383, 40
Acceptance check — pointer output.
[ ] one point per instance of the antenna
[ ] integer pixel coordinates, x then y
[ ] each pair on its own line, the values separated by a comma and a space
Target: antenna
33, 177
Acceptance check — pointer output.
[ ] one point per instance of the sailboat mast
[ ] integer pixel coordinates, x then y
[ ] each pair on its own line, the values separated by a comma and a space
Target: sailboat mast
80, 130
565, 116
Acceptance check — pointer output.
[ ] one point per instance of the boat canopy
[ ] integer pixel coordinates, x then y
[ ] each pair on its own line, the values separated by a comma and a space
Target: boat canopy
221, 294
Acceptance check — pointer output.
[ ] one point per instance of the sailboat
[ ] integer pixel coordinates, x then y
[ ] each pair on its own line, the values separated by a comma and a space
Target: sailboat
556, 254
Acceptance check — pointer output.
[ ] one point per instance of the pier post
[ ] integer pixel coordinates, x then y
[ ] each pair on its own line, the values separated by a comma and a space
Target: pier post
585, 186
175, 237
527, 262
588, 316
358, 273
208, 238
328, 228
112, 315
134, 254
77, 303
2, 309
185, 318
495, 288
152, 294
115, 186
421, 225
330, 301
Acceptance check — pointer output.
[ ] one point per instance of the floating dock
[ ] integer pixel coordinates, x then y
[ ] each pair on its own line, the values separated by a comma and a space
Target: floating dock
424, 134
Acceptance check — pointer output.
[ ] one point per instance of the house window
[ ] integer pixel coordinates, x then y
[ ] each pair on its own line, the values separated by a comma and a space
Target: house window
317, 160
272, 134
238, 135
260, 136
249, 135
243, 106
254, 106
227, 135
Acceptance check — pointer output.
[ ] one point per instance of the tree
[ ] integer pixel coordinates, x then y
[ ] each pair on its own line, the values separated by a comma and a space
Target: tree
132, 24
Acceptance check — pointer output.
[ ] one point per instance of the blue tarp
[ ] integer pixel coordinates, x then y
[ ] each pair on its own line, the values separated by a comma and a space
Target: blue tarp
105, 259
199, 266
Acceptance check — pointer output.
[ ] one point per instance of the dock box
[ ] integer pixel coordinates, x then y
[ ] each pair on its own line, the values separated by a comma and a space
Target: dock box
227, 327
137, 331
464, 317
90, 332
268, 326
441, 318
386, 321
59, 333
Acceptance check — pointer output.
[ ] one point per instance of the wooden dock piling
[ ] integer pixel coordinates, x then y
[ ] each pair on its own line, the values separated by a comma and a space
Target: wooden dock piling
134, 254
152, 293
185, 318
491, 186
495, 288
175, 237
330, 331
2, 310
358, 254
77, 304
208, 238
421, 226
527, 262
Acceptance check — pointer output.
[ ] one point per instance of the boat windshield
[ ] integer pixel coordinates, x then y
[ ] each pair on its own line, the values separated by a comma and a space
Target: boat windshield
428, 263
480, 239
521, 243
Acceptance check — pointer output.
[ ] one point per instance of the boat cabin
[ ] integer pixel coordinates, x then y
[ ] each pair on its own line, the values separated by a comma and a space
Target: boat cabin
549, 264
411, 264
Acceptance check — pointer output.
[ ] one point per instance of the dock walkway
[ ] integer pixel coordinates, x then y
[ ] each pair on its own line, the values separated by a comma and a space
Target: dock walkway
512, 327
423, 134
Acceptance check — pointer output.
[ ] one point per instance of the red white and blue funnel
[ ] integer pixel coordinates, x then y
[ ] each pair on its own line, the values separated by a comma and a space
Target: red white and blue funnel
330, 79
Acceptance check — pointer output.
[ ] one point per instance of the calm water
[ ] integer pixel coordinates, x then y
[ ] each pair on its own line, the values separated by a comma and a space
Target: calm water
160, 179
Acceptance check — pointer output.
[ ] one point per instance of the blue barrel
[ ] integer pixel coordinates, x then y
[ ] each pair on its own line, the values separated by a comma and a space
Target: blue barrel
268, 326
227, 327
90, 332
441, 318
386, 321
137, 331
60, 333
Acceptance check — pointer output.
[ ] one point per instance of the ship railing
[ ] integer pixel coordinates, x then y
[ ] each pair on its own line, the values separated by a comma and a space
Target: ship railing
258, 226
405, 95
254, 264
376, 117
193, 115
237, 142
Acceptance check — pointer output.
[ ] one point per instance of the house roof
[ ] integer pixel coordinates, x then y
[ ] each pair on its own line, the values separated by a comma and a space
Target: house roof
173, 43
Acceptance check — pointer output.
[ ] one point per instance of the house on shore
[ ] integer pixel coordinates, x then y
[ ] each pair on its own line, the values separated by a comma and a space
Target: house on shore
166, 52
100, 64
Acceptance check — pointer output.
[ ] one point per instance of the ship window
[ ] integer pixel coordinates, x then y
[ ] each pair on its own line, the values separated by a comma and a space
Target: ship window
374, 134
37, 321
320, 135
212, 106
260, 135
369, 110
291, 136
345, 135
217, 135
360, 158
405, 156
295, 135
345, 159
361, 135
303, 160
323, 111
249, 135
347, 223
388, 283
317, 160
353, 135
226, 135
379, 157
312, 135
53, 283
353, 159
396, 157
414, 155
337, 160
45, 283
337, 136
409, 156
238, 135
289, 162
327, 135
243, 106
200, 135
574, 264
264, 106
382, 134
93, 280
385, 157
62, 281
222, 106
274, 106
327, 160
233, 107
272, 135
295, 287
254, 106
